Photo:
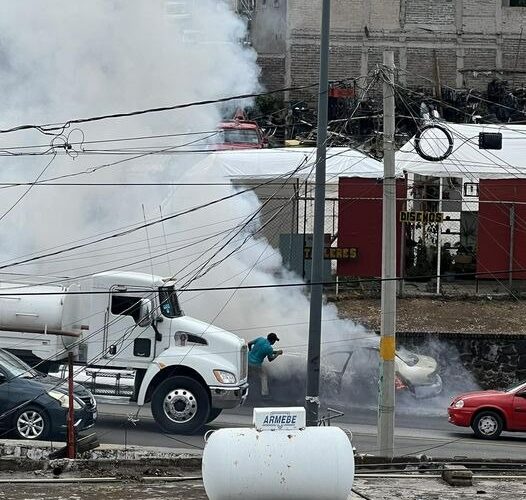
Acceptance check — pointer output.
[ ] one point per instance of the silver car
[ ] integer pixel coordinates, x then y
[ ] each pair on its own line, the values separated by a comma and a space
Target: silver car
359, 364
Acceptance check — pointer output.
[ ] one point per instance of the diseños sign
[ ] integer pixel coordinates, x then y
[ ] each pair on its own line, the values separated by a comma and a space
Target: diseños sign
425, 217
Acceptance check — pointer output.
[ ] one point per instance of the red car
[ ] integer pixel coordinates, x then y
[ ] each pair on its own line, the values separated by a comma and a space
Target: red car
489, 413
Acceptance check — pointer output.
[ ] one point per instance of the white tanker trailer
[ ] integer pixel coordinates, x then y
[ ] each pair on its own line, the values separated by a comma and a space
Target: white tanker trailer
189, 370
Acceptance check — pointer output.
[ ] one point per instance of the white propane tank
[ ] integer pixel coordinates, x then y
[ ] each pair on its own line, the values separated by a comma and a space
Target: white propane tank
314, 463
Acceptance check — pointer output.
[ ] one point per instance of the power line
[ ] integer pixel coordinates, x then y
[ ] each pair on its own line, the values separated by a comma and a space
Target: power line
46, 128
26, 192
461, 168
278, 285
105, 141
134, 229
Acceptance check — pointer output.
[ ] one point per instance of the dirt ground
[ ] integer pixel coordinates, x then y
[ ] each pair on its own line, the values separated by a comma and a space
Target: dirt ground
379, 489
442, 315
192, 490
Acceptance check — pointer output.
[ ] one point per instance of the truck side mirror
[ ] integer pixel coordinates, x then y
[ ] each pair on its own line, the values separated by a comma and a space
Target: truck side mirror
145, 313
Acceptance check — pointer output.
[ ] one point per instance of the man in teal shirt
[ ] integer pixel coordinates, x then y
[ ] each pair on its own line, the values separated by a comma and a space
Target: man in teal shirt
260, 349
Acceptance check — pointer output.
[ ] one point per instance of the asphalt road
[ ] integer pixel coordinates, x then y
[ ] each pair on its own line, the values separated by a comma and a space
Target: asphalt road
415, 433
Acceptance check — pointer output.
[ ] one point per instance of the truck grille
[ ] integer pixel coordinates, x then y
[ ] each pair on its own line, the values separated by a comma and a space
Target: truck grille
243, 367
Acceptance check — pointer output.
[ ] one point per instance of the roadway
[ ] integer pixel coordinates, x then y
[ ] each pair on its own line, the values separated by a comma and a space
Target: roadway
429, 435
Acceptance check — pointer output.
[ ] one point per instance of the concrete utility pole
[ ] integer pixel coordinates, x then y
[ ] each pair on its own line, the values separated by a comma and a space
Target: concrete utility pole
312, 399
386, 399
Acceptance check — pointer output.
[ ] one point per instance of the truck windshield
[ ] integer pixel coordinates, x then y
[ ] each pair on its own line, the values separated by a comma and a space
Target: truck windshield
244, 136
169, 303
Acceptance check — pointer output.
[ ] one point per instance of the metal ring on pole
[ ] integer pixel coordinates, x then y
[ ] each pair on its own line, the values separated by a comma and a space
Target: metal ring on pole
426, 156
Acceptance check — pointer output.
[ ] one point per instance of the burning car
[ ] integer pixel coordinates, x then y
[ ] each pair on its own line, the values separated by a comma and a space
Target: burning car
357, 367
352, 368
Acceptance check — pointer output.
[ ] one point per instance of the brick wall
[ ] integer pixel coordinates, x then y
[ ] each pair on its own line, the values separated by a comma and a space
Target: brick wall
272, 72
420, 63
472, 34
430, 12
479, 16
304, 68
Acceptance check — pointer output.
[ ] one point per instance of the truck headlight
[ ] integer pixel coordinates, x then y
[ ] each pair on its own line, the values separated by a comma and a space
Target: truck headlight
63, 399
459, 404
225, 377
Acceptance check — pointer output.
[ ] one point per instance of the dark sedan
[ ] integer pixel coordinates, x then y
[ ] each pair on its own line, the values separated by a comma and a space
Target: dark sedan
35, 406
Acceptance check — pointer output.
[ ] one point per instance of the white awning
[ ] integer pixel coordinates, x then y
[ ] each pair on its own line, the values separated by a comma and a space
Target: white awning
467, 160
341, 162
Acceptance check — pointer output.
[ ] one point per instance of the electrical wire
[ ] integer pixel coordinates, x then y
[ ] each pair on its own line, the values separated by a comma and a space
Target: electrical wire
460, 166
47, 128
26, 192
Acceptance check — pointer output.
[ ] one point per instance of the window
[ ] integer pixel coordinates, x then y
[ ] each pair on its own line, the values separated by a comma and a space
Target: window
514, 3
240, 136
126, 306
15, 366
169, 303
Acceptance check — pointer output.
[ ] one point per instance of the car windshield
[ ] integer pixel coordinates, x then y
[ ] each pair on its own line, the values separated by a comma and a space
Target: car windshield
236, 136
515, 386
169, 303
16, 367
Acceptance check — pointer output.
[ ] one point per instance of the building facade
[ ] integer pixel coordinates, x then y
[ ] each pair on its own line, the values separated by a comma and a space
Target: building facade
462, 43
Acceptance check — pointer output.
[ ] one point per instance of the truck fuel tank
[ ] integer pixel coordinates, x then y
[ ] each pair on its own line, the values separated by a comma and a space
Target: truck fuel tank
40, 309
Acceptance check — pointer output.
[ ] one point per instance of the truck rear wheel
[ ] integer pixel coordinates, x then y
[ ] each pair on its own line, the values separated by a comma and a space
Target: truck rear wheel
180, 405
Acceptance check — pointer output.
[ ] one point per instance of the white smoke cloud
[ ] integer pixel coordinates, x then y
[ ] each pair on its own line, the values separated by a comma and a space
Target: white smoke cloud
68, 59
76, 59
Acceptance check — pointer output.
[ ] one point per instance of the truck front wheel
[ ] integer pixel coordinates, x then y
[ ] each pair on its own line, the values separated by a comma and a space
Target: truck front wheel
180, 405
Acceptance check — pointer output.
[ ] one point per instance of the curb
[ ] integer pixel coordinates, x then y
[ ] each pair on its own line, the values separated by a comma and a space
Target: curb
28, 456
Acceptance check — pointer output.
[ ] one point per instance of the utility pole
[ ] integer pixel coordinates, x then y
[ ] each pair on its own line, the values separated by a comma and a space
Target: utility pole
312, 397
386, 399
439, 235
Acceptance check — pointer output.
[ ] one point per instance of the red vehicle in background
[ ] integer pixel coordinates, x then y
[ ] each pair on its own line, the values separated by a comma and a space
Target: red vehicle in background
239, 133
489, 413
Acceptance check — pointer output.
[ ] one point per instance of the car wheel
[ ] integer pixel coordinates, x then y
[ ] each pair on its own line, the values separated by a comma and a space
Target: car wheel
180, 405
214, 413
487, 425
32, 422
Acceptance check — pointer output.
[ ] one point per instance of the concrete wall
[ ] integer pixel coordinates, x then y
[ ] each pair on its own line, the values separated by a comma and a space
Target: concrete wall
475, 40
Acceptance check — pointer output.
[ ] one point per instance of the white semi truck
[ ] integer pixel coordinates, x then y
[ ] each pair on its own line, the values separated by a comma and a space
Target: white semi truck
187, 369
